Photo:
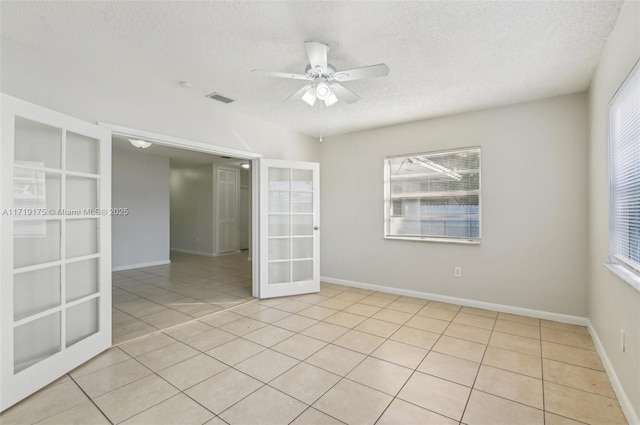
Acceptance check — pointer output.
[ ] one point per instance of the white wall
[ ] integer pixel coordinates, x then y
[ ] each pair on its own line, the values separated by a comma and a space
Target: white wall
534, 201
613, 304
140, 182
192, 210
87, 92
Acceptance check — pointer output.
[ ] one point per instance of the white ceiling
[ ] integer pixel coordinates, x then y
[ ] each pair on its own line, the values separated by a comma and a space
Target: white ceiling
445, 56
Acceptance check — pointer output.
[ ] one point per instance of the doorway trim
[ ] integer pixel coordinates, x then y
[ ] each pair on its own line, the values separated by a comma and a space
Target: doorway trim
192, 145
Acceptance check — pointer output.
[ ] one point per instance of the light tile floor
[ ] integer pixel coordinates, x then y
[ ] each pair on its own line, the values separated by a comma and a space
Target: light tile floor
156, 298
344, 355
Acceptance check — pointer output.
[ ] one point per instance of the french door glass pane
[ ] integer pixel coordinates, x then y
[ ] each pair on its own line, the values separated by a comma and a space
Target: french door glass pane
35, 292
302, 270
280, 272
82, 237
278, 202
35, 242
35, 341
302, 180
81, 193
302, 202
302, 247
302, 225
280, 179
82, 279
37, 143
82, 321
35, 190
279, 225
279, 249
82, 154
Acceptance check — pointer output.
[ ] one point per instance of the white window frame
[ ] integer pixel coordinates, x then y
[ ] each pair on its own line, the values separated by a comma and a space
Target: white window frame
624, 266
430, 238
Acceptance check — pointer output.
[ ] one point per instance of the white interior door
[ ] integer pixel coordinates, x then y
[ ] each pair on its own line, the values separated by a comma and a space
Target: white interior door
55, 246
289, 224
227, 208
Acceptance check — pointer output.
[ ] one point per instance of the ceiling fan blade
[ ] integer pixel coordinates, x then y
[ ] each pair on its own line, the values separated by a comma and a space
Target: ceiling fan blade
317, 53
298, 95
282, 75
343, 94
330, 100
379, 70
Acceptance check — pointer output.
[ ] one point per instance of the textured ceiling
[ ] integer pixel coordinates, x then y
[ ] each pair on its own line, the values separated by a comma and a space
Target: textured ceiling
445, 56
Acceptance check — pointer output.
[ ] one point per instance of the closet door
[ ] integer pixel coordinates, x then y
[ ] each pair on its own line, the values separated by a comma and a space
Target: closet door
227, 209
55, 246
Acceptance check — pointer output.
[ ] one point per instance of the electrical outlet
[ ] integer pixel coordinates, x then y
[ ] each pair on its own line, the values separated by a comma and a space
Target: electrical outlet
622, 340
457, 271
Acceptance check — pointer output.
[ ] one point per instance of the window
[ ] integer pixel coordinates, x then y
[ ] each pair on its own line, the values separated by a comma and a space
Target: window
624, 146
433, 196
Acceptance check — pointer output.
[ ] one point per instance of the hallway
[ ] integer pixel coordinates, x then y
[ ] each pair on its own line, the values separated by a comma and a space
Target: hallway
155, 298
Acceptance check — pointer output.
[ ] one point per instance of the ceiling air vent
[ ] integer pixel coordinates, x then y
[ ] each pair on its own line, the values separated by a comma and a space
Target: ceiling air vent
219, 97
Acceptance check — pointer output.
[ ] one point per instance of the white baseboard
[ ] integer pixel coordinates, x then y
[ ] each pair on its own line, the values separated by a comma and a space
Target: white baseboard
539, 314
204, 254
140, 265
625, 403
188, 251
228, 253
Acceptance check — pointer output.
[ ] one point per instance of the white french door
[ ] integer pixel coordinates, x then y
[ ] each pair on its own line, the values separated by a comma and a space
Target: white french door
289, 228
55, 246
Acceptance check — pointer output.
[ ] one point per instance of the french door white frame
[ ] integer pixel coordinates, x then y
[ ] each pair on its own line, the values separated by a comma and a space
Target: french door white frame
290, 196
18, 384
192, 145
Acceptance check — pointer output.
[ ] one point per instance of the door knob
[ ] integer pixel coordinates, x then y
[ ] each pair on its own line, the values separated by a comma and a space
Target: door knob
316, 227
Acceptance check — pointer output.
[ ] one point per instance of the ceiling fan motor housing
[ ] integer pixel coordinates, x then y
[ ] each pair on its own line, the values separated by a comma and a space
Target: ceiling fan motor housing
320, 73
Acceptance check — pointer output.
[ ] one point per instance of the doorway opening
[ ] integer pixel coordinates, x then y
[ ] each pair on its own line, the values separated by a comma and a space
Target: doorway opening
181, 236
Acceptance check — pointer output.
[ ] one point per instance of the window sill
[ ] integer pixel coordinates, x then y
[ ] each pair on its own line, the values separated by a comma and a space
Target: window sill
624, 274
441, 240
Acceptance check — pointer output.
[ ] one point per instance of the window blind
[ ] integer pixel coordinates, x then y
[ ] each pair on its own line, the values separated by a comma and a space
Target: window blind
433, 195
624, 145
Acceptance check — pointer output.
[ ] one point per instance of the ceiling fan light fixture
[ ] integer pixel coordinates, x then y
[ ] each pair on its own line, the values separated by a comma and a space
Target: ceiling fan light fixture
323, 91
332, 99
140, 144
310, 96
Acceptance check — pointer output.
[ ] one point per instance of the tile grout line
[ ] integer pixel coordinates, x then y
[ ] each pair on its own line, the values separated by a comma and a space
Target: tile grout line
303, 361
197, 319
91, 399
359, 363
353, 328
464, 409
388, 338
240, 371
418, 365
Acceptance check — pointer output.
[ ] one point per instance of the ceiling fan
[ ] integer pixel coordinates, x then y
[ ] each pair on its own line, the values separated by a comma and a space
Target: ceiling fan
324, 78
